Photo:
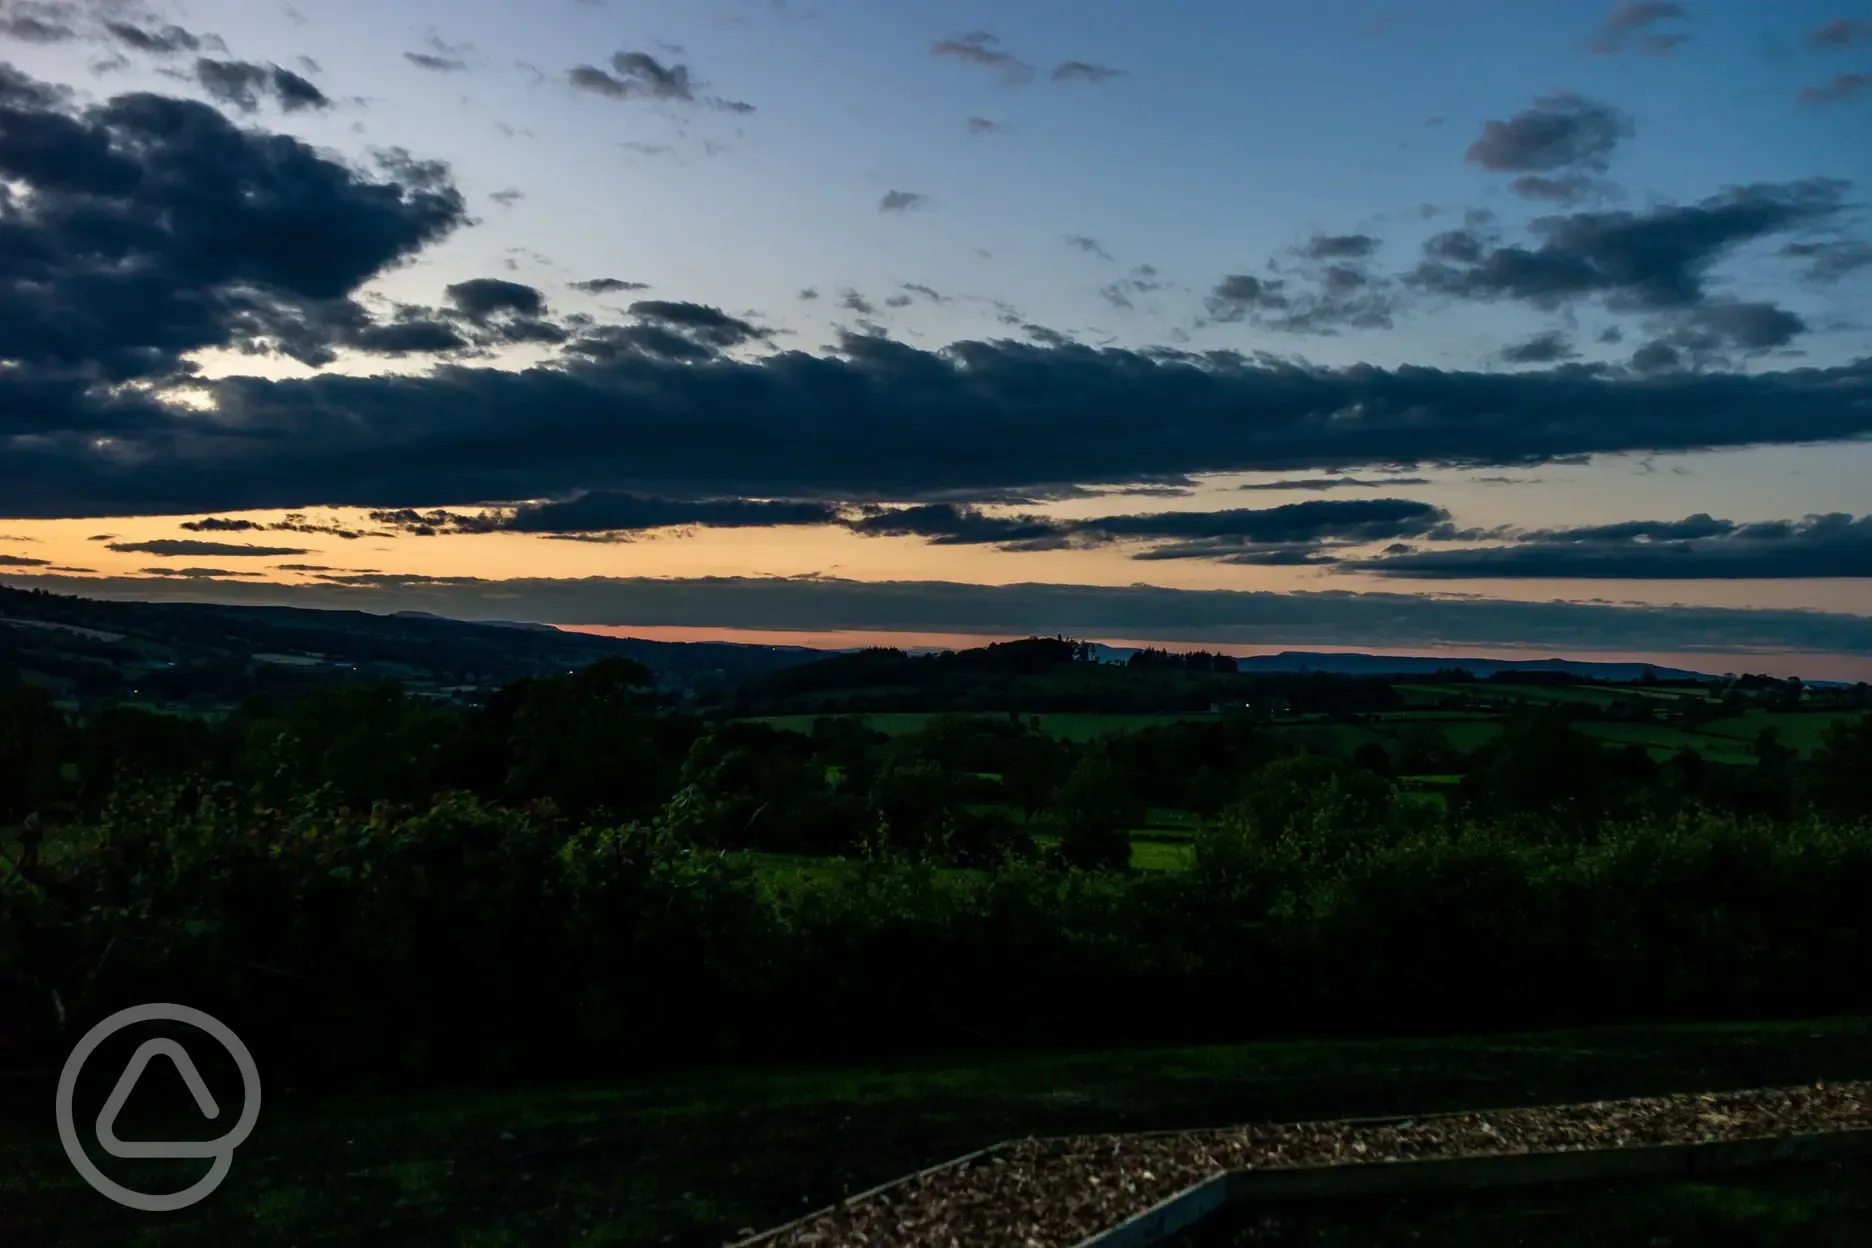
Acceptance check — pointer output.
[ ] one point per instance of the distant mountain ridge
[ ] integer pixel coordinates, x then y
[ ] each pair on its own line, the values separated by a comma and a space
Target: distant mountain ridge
430, 615
1424, 665
87, 639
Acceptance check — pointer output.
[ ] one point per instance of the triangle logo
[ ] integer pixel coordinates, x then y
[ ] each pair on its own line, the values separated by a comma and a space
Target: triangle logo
126, 1083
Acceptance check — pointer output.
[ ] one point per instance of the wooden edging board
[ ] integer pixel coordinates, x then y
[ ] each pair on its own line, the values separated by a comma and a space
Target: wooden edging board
1240, 1188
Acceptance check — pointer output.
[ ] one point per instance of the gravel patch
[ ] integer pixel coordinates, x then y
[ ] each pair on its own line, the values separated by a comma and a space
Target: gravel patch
1054, 1193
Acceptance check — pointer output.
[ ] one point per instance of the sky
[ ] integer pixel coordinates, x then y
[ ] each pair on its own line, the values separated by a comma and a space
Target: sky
1384, 326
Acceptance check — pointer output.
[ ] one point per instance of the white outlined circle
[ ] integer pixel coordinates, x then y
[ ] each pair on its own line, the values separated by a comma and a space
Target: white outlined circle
222, 1150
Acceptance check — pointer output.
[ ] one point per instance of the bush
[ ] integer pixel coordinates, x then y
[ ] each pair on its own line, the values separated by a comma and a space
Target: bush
455, 937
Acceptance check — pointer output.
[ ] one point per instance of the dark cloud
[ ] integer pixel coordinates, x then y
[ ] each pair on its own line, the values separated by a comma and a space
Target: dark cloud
673, 332
1241, 535
294, 523
1548, 348
951, 524
1751, 326
1298, 534
1088, 245
640, 76
1318, 484
164, 40
1837, 89
1656, 357
709, 326
666, 412
1083, 71
1698, 547
607, 285
917, 288
216, 524
196, 574
47, 21
1689, 528
1180, 535
440, 64
981, 48
481, 298
1319, 300
242, 84
1143, 280
23, 561
1559, 145
1630, 26
810, 293
612, 513
410, 333
1046, 335
188, 548
1656, 259
1832, 259
1842, 32
901, 201
630, 513
981, 125
155, 227
1137, 612
1340, 246
852, 301
1709, 335
1325, 285
1359, 519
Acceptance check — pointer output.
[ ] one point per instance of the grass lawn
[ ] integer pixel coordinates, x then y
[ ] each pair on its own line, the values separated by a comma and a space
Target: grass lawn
690, 1160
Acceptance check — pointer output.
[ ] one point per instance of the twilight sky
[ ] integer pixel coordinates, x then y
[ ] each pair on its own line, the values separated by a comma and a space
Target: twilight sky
1279, 325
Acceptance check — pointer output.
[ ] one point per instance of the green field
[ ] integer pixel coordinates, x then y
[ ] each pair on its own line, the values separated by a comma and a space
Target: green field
1601, 695
1666, 741
1066, 726
1471, 734
692, 1160
1726, 741
1162, 855
1801, 731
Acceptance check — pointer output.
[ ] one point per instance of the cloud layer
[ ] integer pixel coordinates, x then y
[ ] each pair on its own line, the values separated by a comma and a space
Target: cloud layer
1698, 547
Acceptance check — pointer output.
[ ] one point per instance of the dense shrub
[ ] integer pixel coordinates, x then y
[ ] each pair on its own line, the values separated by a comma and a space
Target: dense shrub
460, 938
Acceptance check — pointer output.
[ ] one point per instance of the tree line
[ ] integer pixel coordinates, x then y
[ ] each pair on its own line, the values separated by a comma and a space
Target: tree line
363, 882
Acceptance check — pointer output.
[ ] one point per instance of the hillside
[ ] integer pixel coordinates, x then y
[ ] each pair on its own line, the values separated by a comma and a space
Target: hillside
1042, 674
205, 656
